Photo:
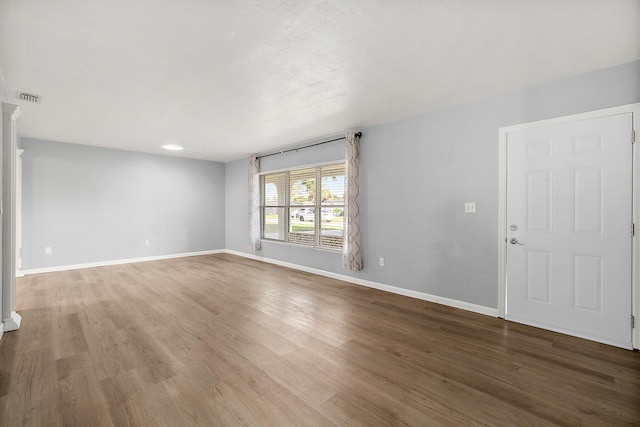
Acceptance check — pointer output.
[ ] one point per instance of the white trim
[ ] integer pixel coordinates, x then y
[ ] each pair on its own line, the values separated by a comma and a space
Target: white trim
502, 224
488, 311
10, 114
502, 203
1, 329
118, 262
613, 111
635, 260
12, 323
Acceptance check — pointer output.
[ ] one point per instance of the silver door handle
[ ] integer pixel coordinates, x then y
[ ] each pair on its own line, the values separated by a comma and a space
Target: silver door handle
514, 241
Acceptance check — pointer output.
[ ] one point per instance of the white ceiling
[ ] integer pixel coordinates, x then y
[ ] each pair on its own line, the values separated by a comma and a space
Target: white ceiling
229, 78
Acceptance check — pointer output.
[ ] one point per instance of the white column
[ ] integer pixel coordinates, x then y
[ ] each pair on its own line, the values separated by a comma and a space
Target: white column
10, 318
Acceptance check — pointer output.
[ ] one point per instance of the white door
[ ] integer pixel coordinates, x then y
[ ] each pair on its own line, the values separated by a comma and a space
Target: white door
569, 219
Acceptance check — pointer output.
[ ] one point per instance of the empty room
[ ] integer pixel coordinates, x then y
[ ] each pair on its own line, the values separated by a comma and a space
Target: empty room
319, 213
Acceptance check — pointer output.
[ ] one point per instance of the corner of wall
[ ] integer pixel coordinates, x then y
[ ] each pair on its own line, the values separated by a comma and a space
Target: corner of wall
4, 91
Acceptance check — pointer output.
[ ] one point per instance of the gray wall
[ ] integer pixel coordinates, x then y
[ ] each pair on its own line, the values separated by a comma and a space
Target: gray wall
416, 175
94, 204
3, 98
236, 205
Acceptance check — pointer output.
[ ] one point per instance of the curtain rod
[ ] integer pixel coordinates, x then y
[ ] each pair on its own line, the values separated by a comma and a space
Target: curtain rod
358, 134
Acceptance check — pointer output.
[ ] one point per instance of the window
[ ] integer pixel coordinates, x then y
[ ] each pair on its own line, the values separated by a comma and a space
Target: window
304, 206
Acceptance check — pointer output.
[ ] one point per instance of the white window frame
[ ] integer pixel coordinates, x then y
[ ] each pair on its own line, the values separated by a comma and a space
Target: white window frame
317, 206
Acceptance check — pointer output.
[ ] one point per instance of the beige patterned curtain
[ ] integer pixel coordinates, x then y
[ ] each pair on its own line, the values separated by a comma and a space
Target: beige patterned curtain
351, 252
254, 203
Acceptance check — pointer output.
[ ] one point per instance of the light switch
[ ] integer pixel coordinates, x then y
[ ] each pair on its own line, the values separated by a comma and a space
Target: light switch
470, 207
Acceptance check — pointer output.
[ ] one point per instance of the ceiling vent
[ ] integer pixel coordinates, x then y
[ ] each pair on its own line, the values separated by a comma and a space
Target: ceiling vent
29, 97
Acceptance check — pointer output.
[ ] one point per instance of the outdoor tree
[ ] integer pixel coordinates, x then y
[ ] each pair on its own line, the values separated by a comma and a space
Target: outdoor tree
303, 191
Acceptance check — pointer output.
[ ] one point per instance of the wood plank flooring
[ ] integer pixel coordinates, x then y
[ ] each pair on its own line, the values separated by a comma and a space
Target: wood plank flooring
225, 341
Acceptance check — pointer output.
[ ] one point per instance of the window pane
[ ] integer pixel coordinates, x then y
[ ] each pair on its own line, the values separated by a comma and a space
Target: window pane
332, 185
274, 189
302, 226
332, 226
303, 187
273, 225
304, 206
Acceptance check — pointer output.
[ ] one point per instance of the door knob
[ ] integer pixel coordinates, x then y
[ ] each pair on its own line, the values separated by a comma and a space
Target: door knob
514, 241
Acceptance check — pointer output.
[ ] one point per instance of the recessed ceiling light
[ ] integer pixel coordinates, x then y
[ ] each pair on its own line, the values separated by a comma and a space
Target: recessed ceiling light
172, 147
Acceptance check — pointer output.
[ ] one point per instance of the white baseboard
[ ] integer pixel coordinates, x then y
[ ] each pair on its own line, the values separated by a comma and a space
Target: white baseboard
117, 262
493, 312
1, 330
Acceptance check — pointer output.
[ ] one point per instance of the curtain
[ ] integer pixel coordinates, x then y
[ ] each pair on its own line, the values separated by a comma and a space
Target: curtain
254, 203
351, 252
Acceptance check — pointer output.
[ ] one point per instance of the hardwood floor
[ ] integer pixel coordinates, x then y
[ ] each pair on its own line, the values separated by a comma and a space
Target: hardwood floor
223, 340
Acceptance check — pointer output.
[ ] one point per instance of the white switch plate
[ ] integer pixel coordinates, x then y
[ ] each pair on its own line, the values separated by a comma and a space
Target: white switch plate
47, 250
470, 207
146, 243
381, 262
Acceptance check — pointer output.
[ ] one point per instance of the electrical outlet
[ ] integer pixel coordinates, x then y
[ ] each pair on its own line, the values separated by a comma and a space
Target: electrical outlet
47, 250
146, 243
381, 262
470, 207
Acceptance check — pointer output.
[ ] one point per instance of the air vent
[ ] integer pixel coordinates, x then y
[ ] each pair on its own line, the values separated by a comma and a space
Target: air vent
29, 97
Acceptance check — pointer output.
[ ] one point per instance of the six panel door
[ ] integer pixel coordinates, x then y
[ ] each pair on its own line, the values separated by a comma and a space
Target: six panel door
569, 218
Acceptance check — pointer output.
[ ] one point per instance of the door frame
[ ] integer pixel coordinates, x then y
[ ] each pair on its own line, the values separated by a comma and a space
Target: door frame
502, 204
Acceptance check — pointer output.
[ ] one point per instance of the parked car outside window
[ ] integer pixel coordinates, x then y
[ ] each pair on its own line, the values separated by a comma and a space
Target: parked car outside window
295, 213
309, 215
